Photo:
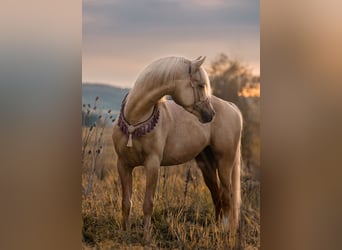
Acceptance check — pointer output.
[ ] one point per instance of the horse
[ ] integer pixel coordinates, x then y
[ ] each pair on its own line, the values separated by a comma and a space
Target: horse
153, 132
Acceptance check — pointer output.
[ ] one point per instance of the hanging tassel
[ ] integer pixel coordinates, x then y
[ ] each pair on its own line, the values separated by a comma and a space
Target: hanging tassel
130, 142
130, 129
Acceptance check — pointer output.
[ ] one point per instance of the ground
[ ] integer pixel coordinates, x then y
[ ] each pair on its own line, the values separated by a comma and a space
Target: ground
183, 216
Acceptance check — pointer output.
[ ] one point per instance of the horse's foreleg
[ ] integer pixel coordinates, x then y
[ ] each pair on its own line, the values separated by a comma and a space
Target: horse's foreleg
125, 174
152, 165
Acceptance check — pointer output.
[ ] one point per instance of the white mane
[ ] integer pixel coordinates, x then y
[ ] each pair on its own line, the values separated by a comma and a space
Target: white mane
161, 71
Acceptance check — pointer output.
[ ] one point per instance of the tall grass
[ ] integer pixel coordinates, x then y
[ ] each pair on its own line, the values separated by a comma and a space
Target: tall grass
183, 216
94, 123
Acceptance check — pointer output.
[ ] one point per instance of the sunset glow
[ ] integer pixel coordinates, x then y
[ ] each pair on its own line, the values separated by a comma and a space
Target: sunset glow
250, 92
121, 37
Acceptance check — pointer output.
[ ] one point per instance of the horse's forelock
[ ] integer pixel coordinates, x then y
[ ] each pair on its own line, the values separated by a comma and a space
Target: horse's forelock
205, 77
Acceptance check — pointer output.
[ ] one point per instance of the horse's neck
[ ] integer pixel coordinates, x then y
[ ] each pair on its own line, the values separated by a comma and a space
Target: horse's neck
140, 103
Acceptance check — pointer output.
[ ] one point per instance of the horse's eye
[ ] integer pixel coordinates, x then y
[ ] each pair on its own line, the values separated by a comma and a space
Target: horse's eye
201, 86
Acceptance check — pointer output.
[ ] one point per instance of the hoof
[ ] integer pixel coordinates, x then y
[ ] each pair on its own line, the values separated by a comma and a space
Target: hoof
146, 239
225, 223
146, 242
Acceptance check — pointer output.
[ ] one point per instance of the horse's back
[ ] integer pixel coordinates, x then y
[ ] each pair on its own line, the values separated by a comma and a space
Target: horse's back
226, 110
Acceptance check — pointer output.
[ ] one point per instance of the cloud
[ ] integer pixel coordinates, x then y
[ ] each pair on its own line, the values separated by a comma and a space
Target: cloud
141, 30
138, 17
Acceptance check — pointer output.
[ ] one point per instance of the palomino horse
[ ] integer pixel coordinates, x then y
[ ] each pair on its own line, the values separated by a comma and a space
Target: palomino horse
153, 132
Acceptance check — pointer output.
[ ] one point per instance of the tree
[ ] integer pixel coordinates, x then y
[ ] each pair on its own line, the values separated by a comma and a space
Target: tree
228, 77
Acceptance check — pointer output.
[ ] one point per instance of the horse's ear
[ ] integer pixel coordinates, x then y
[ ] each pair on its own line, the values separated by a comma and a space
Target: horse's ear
196, 64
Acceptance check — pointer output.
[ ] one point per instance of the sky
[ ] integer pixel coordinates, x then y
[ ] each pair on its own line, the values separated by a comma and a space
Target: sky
121, 37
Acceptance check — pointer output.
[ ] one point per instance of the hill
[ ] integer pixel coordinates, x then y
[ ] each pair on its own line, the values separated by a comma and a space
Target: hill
110, 96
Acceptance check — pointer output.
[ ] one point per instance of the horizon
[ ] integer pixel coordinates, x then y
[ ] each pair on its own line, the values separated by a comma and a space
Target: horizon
104, 84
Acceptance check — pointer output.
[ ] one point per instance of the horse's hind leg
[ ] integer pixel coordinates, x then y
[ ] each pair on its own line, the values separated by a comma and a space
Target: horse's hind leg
125, 174
208, 165
229, 174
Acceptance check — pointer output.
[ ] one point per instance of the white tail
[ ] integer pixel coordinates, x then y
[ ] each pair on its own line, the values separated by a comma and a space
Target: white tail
236, 183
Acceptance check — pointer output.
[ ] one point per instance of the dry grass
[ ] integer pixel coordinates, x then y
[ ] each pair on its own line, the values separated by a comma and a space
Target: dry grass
183, 215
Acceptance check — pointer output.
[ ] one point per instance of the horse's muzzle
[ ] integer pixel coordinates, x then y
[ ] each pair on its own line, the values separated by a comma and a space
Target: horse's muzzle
205, 110
207, 116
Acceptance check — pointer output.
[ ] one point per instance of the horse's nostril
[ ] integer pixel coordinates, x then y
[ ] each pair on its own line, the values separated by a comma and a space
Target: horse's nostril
206, 117
209, 119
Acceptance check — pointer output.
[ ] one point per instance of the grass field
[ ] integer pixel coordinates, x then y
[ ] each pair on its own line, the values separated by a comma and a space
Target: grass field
183, 215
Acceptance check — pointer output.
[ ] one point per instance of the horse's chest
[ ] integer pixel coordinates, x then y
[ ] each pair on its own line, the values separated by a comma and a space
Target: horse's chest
151, 143
132, 156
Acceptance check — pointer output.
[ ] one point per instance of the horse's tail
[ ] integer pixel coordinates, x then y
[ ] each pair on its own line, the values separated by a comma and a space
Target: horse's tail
236, 181
236, 185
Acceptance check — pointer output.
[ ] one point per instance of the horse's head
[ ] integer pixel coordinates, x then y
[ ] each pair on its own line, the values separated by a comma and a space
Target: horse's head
193, 91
